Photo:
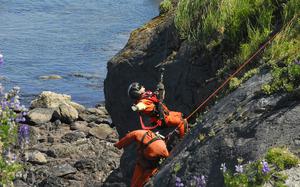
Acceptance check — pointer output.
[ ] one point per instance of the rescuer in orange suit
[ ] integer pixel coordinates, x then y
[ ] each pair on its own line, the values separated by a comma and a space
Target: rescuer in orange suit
147, 103
151, 148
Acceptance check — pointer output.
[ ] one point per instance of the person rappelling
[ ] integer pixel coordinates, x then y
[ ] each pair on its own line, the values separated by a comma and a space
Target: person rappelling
150, 104
151, 148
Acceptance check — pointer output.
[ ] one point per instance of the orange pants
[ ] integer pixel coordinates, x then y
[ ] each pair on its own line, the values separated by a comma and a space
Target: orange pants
141, 175
175, 119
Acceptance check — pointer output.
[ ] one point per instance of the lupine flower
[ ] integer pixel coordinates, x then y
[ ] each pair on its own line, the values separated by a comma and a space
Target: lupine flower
200, 181
178, 182
1, 59
297, 62
20, 119
223, 168
23, 134
265, 168
239, 168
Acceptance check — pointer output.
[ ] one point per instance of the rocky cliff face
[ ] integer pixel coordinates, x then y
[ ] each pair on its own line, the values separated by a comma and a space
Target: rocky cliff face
244, 124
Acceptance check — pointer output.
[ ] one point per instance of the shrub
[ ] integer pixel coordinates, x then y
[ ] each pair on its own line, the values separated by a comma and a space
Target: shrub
282, 158
165, 6
11, 130
282, 58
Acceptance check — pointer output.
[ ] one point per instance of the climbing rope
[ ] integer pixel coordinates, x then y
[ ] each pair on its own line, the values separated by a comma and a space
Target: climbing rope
239, 69
235, 73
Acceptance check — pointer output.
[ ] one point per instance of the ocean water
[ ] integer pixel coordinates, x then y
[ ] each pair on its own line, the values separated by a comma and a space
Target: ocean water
70, 38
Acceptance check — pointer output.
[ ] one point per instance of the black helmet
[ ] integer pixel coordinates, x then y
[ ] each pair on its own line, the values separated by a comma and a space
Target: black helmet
133, 90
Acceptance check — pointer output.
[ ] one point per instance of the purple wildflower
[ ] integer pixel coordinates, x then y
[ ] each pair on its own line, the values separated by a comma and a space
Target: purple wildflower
265, 168
1, 59
20, 119
200, 181
178, 182
4, 104
297, 62
24, 134
239, 168
223, 168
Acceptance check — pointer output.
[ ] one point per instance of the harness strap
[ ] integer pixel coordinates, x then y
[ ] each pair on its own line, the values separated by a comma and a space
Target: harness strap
151, 141
158, 123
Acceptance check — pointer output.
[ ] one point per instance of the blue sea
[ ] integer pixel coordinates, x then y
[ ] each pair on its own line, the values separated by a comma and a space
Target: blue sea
70, 38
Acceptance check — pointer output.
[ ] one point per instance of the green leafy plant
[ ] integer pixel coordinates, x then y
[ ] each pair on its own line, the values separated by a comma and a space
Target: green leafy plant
282, 158
165, 6
261, 171
176, 168
13, 134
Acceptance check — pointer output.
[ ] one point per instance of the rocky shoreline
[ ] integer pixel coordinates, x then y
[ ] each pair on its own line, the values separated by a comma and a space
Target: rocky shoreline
70, 145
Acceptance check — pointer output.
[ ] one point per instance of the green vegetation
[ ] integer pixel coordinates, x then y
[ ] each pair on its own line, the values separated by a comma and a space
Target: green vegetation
235, 29
235, 82
13, 135
176, 168
282, 158
261, 171
165, 6
283, 60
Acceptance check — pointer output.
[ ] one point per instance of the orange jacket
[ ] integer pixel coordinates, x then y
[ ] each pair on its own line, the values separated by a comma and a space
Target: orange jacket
171, 118
156, 149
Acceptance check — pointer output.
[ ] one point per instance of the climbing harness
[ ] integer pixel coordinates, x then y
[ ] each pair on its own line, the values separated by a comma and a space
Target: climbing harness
158, 115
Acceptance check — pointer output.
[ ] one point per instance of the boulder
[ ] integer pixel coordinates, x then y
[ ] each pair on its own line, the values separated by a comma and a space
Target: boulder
80, 126
97, 111
40, 115
101, 132
63, 169
49, 99
66, 113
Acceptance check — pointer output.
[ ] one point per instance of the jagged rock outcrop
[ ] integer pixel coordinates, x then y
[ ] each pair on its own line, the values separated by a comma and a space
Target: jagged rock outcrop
244, 124
72, 152
189, 75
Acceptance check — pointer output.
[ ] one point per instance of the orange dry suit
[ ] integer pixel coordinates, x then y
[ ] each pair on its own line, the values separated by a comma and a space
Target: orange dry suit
159, 114
150, 149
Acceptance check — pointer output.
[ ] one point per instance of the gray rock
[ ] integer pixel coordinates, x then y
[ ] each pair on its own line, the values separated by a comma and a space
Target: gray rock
98, 111
63, 169
94, 118
40, 115
72, 136
49, 99
85, 164
101, 132
74, 183
20, 183
36, 157
80, 126
50, 139
293, 177
51, 181
66, 113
